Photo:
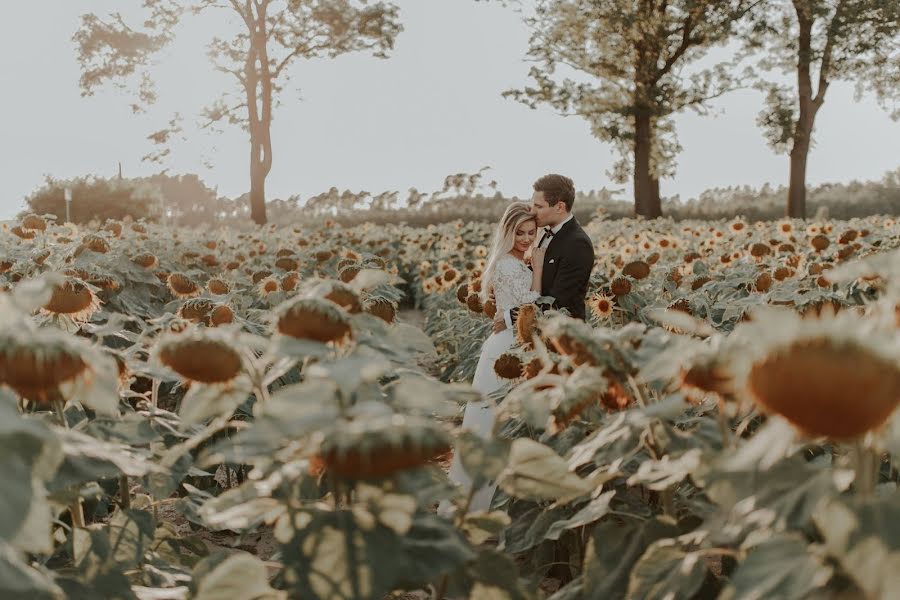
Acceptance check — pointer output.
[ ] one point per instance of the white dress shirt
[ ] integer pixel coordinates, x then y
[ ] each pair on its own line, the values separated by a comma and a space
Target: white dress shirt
555, 229
507, 317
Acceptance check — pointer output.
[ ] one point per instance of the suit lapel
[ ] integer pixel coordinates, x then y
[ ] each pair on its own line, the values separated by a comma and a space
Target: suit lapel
563, 232
551, 258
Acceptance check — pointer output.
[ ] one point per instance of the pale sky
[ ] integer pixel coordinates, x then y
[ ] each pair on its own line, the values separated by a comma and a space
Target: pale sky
432, 109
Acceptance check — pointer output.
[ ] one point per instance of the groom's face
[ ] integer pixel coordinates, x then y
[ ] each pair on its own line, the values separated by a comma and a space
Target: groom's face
545, 214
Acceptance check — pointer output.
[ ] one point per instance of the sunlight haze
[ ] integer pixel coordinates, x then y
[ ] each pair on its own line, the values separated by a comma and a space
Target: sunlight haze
360, 123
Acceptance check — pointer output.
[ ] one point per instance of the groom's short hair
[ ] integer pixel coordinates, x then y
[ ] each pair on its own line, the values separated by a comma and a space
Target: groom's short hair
556, 188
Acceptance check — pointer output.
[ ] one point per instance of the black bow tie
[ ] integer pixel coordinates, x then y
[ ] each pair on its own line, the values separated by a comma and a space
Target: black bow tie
548, 232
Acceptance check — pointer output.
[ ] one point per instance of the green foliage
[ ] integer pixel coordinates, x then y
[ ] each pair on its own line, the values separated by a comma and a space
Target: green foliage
334, 453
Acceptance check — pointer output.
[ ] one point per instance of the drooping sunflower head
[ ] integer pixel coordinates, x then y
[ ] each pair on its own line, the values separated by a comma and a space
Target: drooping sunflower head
336, 292
383, 309
221, 315
620, 286
574, 339
35, 363
508, 366
383, 446
72, 298
637, 269
287, 263
95, 243
33, 222
182, 286
582, 389
314, 319
196, 309
218, 287
200, 355
836, 376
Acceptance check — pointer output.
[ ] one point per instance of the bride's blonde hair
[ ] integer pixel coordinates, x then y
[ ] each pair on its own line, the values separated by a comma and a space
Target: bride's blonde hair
504, 240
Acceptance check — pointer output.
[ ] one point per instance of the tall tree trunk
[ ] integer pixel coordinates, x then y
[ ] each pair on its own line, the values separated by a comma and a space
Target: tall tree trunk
258, 87
257, 187
810, 101
796, 204
643, 186
655, 205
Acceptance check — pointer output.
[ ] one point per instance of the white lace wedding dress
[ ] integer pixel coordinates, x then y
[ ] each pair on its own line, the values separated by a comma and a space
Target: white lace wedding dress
512, 288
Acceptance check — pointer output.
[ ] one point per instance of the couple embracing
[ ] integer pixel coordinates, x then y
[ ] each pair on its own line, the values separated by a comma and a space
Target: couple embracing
561, 259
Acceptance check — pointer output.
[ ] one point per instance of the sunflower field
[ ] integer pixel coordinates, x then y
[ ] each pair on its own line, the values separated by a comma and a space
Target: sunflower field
254, 414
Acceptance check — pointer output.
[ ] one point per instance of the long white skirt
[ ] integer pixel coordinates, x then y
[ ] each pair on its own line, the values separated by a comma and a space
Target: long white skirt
479, 417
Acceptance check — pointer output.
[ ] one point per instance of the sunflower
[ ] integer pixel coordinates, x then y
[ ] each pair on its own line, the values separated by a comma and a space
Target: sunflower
508, 366
819, 242
73, 299
94, 243
200, 355
637, 269
763, 282
462, 292
349, 273
383, 309
221, 315
313, 319
380, 447
33, 222
473, 302
258, 276
758, 250
341, 294
35, 363
181, 286
490, 308
526, 324
785, 227
286, 263
267, 286
601, 305
25, 234
218, 287
737, 225
196, 310
835, 376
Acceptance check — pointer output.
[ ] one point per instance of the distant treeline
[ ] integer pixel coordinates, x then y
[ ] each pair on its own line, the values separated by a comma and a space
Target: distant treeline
186, 201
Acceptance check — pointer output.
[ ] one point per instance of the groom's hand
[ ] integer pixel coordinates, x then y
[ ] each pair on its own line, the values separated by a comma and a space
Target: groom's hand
499, 323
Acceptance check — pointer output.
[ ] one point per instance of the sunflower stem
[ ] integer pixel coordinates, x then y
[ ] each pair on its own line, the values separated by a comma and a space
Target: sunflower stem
668, 501
724, 428
441, 587
866, 465
75, 509
154, 394
125, 492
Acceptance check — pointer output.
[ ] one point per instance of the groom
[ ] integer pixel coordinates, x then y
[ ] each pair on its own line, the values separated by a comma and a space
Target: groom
569, 252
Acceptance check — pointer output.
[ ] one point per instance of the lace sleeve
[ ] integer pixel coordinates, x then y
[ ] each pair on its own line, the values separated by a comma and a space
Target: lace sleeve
512, 284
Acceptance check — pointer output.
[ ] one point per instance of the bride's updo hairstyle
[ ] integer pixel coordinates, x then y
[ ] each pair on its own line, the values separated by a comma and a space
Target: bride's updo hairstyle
504, 240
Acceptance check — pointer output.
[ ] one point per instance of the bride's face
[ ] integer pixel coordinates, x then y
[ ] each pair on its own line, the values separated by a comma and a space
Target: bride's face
525, 234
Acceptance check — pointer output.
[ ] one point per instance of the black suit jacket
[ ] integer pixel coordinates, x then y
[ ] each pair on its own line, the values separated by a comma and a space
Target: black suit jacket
567, 269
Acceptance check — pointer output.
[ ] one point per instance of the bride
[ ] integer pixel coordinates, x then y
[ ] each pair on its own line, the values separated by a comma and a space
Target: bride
511, 283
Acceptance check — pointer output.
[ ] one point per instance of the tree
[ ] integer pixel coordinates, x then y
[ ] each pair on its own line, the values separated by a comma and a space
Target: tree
630, 58
271, 35
96, 198
821, 41
187, 200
